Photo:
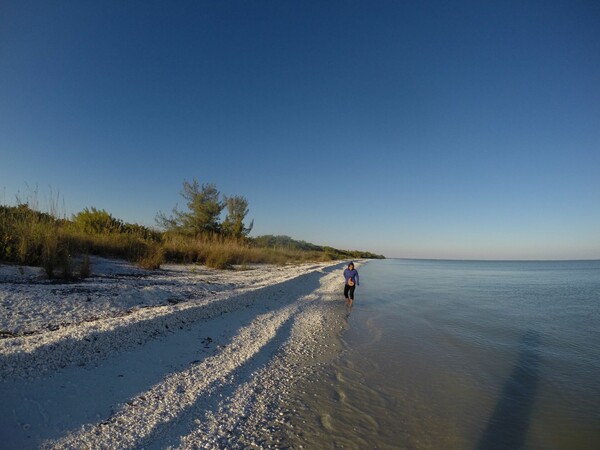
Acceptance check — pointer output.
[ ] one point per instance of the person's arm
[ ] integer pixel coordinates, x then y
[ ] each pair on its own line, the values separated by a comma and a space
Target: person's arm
357, 283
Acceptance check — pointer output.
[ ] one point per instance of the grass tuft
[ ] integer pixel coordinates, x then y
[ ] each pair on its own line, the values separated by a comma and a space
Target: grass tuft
85, 269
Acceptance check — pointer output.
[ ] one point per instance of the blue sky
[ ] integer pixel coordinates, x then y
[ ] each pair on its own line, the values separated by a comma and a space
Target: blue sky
433, 129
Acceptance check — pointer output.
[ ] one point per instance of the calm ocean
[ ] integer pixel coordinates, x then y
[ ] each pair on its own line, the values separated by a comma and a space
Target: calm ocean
461, 355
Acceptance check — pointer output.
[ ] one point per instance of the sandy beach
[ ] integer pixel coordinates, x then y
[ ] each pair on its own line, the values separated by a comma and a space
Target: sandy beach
184, 357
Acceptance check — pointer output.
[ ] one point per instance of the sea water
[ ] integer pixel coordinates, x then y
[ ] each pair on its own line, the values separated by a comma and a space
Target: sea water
461, 355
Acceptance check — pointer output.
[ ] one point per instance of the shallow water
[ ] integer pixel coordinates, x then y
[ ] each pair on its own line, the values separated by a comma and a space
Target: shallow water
465, 355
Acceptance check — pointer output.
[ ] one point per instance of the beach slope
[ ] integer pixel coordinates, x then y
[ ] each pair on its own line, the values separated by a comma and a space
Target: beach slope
184, 357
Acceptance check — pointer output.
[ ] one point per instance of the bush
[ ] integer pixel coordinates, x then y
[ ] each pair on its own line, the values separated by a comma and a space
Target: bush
66, 263
84, 270
50, 256
218, 261
97, 221
152, 260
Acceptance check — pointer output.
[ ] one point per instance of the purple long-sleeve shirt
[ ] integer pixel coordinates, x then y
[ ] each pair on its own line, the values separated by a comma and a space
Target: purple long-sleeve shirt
351, 274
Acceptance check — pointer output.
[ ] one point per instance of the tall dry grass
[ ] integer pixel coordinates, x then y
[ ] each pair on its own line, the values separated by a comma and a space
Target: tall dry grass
62, 246
29, 237
223, 253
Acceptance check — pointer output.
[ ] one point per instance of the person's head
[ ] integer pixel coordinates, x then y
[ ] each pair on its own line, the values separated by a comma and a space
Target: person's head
350, 265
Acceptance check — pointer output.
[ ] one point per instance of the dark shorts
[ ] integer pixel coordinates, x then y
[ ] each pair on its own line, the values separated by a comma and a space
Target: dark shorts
349, 291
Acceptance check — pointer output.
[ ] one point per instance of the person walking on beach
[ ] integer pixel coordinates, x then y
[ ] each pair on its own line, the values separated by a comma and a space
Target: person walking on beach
351, 277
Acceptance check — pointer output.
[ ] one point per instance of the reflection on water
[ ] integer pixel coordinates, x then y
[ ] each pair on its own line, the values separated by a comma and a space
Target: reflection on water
461, 355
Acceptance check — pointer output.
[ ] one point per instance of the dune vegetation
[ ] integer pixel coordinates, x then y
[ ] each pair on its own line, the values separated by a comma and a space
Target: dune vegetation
62, 246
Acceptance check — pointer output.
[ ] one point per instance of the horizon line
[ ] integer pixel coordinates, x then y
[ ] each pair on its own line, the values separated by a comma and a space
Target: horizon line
493, 260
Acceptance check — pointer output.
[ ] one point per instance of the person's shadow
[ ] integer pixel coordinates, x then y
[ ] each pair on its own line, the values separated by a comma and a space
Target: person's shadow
508, 425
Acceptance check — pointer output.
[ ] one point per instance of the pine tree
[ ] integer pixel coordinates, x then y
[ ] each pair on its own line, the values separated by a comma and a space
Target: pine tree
204, 210
237, 210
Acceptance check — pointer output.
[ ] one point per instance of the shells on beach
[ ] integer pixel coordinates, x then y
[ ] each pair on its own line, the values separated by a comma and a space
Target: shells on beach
130, 326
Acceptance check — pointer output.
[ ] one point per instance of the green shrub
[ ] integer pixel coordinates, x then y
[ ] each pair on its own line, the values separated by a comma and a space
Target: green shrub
97, 221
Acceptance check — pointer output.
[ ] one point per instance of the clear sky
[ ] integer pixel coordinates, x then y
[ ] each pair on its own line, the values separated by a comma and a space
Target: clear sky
437, 129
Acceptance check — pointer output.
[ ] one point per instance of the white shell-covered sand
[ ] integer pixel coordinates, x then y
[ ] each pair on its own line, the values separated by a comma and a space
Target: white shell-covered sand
184, 357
